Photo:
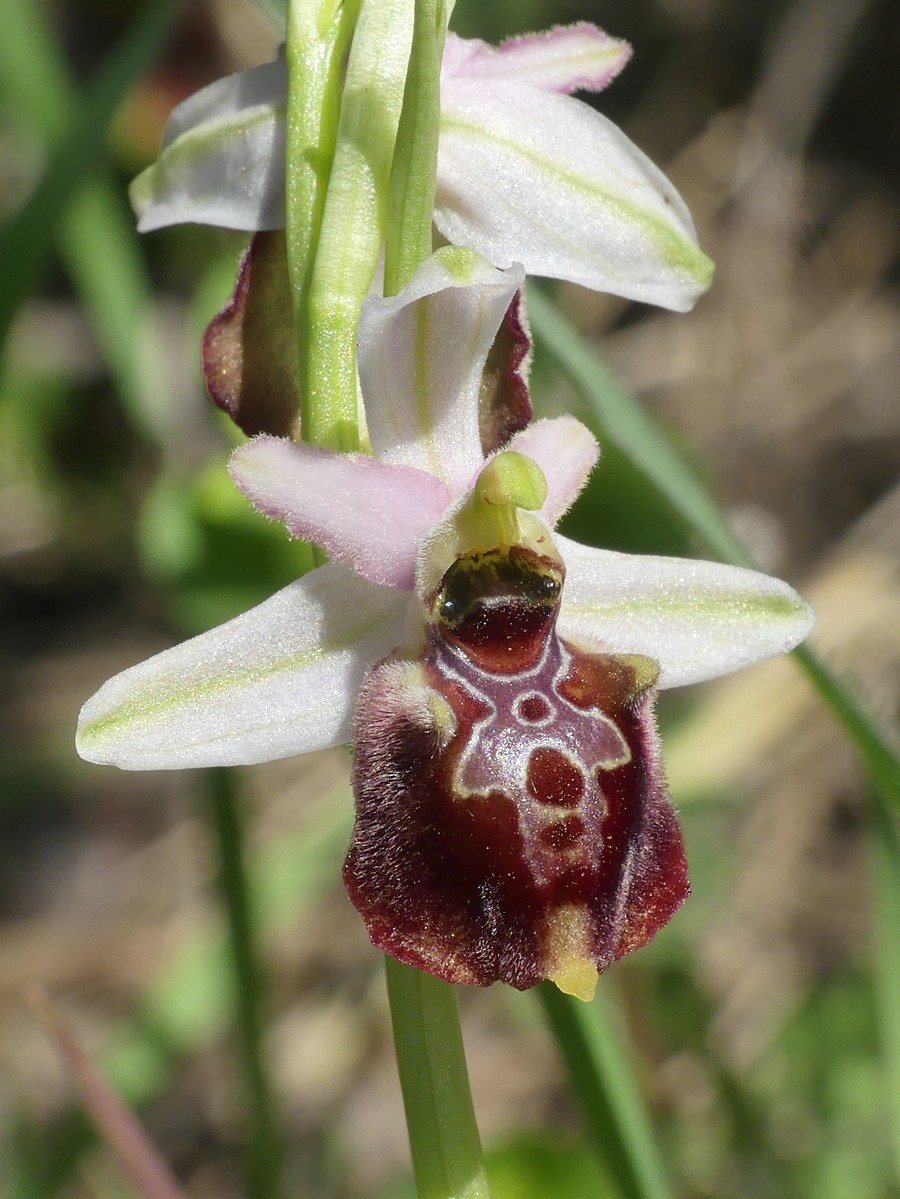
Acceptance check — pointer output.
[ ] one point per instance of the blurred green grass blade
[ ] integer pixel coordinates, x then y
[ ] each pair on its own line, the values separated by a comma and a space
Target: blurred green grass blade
188, 1006
882, 759
103, 256
262, 1154
29, 68
97, 239
611, 1106
625, 422
24, 242
885, 864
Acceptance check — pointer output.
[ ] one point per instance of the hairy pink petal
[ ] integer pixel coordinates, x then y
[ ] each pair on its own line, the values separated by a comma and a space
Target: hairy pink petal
566, 58
566, 452
364, 512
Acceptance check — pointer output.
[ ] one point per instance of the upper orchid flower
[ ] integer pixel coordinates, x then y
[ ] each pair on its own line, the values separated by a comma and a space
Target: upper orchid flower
512, 816
525, 172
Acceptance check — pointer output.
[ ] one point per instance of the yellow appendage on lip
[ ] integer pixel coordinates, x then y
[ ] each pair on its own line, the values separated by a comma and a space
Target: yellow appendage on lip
510, 482
572, 969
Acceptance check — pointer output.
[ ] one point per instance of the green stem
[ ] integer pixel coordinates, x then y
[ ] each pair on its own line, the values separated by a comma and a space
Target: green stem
610, 1103
443, 1135
354, 215
318, 32
332, 237
431, 1062
411, 199
263, 1157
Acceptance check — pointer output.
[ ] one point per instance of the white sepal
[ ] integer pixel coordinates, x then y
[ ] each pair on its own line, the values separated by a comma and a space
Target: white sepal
421, 359
696, 619
532, 176
222, 157
278, 680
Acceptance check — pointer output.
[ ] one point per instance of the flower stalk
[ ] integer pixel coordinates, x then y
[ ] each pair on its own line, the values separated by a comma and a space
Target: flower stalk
431, 1060
318, 32
262, 1165
446, 1149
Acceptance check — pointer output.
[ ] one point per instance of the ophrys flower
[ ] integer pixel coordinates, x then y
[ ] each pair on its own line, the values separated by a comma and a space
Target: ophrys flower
512, 817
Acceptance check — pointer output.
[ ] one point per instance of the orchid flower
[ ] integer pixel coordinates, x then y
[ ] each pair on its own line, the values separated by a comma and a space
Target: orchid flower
525, 173
497, 679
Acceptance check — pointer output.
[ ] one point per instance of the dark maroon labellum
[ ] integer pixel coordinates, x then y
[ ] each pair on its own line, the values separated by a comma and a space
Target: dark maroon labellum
512, 816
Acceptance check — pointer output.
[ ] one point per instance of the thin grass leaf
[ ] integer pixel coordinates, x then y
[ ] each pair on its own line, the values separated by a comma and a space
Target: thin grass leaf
97, 239
629, 427
188, 1006
611, 1106
263, 1150
24, 243
119, 1128
102, 254
884, 852
880, 756
625, 422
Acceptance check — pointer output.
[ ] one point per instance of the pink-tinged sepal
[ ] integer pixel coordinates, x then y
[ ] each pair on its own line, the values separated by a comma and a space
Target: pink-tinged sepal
566, 58
512, 818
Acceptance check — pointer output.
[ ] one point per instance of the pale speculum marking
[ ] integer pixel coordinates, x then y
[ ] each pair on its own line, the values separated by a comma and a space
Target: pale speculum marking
550, 767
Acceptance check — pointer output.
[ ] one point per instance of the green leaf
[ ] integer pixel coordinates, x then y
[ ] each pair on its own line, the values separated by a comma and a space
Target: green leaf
97, 239
611, 1105
24, 243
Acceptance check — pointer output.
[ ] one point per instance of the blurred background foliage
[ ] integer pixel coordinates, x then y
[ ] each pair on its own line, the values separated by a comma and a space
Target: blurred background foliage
756, 1023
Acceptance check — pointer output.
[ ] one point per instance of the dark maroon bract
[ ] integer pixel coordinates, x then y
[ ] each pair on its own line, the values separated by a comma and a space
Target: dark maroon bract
512, 821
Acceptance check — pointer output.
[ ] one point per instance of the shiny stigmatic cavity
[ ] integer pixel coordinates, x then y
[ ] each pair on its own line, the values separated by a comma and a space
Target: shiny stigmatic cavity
498, 607
476, 580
